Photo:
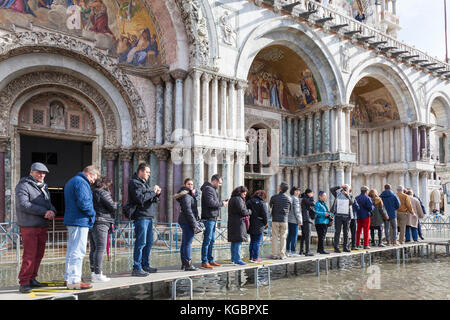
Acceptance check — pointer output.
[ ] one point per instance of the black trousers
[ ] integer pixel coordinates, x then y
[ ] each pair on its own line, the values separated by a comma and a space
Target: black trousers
305, 238
321, 233
353, 232
341, 222
372, 234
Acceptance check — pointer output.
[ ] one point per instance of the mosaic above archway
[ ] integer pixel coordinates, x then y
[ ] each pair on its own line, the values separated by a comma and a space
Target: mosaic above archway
127, 29
280, 79
374, 104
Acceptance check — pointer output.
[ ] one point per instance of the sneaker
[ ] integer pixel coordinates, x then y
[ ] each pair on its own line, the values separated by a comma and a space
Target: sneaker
282, 258
149, 269
139, 273
100, 278
366, 247
337, 250
309, 254
347, 250
381, 245
258, 260
288, 254
79, 286
295, 254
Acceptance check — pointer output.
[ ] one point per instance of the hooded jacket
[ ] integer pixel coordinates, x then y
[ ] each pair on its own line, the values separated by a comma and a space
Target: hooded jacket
32, 203
391, 203
78, 201
210, 202
308, 211
188, 204
258, 218
141, 194
379, 213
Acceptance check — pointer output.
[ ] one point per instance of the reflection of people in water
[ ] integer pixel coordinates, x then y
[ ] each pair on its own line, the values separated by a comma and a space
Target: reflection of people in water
20, 6
137, 53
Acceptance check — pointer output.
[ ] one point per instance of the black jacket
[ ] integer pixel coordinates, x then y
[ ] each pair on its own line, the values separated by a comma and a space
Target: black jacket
142, 195
308, 210
237, 210
188, 204
32, 204
281, 205
258, 218
104, 206
210, 202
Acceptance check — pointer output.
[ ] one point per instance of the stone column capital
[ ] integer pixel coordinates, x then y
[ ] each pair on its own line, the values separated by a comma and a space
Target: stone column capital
110, 154
3, 144
195, 74
125, 154
339, 166
178, 74
314, 168
223, 82
206, 77
241, 84
161, 154
166, 77
325, 166
142, 154
228, 156
156, 80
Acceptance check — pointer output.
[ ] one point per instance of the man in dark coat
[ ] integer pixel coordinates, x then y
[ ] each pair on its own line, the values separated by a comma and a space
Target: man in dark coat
308, 215
343, 214
391, 204
33, 209
280, 205
210, 212
141, 195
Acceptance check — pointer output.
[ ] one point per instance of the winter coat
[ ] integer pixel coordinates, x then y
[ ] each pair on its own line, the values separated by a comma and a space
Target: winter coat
32, 203
258, 218
405, 203
237, 210
188, 204
417, 209
142, 196
365, 206
378, 213
321, 209
104, 206
280, 205
295, 215
308, 209
78, 202
210, 202
391, 203
337, 192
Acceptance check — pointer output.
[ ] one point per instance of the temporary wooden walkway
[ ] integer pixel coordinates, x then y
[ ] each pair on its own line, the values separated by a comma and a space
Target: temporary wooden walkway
167, 277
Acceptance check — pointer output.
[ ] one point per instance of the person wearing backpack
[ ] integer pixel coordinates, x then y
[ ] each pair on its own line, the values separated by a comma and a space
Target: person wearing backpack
142, 196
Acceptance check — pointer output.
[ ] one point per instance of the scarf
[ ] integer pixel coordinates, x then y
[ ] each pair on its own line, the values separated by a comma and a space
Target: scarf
41, 186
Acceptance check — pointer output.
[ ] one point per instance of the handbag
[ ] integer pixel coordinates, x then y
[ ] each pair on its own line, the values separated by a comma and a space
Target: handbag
330, 223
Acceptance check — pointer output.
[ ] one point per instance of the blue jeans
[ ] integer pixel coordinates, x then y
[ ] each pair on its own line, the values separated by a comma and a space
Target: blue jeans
208, 241
76, 250
236, 251
291, 240
408, 233
186, 241
255, 242
143, 243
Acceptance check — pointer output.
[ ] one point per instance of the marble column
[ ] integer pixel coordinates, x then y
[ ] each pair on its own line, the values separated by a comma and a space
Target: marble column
159, 133
179, 76
348, 175
110, 157
295, 174
407, 180
339, 167
415, 183
309, 134
284, 136
370, 146
212, 163
428, 129
391, 145
169, 191
231, 109
383, 177
324, 183
317, 132
326, 143
401, 179
3, 147
239, 169
296, 136
177, 183
154, 179
348, 129
163, 156
333, 130
196, 102
290, 131
304, 182
315, 178
168, 105
199, 167
288, 176
423, 194
415, 143
206, 79
223, 108
215, 106
241, 86
340, 129
227, 176
188, 169
302, 137
125, 157
380, 147
403, 144
423, 146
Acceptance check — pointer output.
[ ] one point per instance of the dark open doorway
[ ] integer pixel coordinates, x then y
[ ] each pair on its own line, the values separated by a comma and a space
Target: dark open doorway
63, 158
254, 185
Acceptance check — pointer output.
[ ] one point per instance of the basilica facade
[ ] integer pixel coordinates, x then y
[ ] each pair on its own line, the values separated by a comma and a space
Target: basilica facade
257, 91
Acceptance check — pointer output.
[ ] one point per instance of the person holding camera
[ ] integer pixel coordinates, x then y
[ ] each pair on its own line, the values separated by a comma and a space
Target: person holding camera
188, 221
342, 209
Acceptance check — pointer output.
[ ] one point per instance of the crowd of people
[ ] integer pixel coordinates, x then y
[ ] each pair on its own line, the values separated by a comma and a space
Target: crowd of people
90, 212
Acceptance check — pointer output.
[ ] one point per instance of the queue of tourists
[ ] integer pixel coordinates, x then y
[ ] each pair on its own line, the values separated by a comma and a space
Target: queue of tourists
90, 213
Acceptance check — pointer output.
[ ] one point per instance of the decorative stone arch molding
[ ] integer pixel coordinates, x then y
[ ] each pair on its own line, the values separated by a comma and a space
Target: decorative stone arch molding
306, 43
440, 103
394, 80
32, 41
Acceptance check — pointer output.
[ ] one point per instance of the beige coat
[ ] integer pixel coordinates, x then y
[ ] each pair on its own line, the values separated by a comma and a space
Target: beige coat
413, 220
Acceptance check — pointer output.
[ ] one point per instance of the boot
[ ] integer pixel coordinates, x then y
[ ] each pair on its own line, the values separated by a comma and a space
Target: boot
189, 266
183, 264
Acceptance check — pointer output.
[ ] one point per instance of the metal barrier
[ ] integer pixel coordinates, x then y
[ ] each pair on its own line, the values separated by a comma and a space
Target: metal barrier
9, 243
174, 288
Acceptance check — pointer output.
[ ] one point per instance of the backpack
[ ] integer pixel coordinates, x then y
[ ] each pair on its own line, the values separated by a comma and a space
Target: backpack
129, 210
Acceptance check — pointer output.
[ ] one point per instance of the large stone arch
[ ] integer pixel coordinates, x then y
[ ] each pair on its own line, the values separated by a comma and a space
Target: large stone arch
306, 43
395, 82
440, 103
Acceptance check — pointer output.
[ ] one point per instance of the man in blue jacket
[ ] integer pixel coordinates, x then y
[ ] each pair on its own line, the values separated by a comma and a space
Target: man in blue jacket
391, 203
79, 217
363, 215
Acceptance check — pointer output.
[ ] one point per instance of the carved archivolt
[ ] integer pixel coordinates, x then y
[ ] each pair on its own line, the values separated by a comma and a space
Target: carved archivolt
20, 85
14, 43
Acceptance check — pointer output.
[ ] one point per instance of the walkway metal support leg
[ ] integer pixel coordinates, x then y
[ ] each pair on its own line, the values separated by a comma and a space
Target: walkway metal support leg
370, 259
256, 275
428, 250
397, 252
422, 251
174, 288
447, 249
317, 267
362, 260
326, 266
403, 254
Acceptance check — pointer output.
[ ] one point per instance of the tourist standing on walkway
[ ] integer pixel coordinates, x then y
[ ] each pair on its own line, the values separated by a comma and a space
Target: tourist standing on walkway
391, 204
342, 209
105, 209
280, 205
403, 211
308, 216
354, 208
258, 222
79, 217
237, 228
363, 217
379, 215
419, 226
210, 212
142, 196
323, 215
33, 209
188, 221
294, 221
413, 218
